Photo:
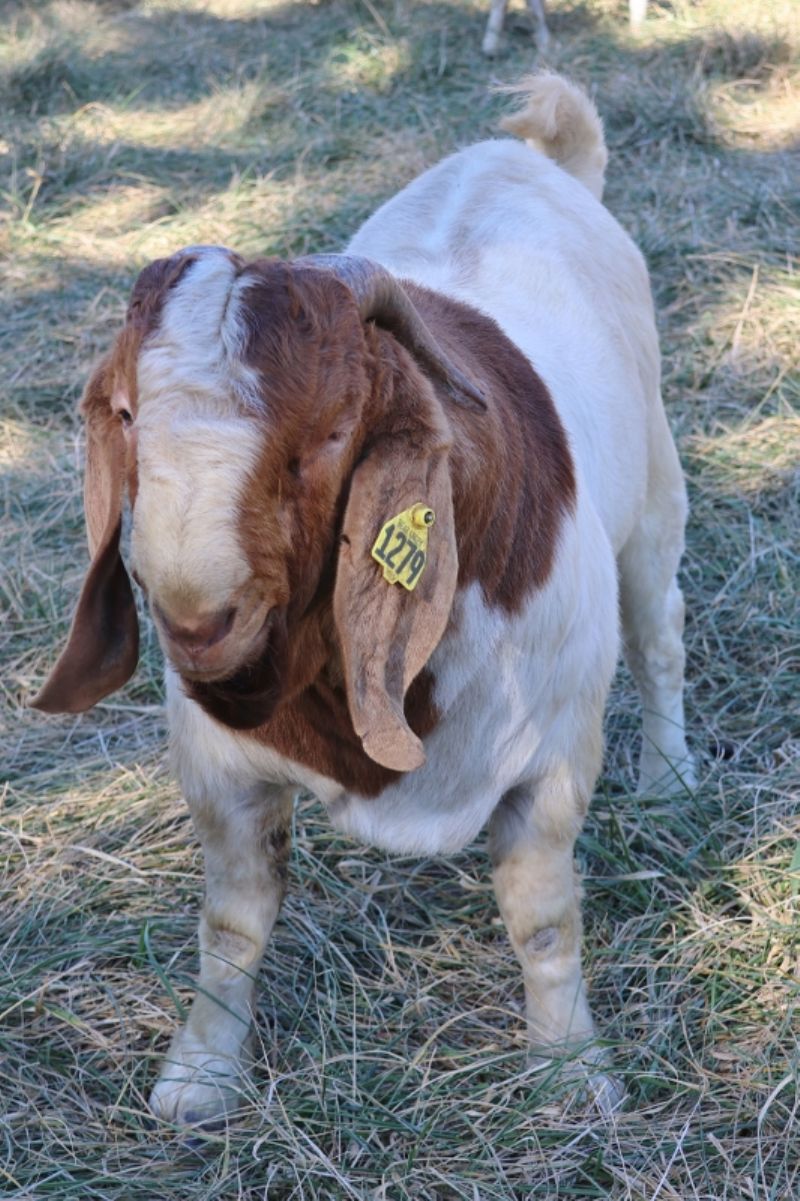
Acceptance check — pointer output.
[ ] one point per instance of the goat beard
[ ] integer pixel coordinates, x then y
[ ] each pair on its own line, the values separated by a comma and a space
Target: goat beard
250, 696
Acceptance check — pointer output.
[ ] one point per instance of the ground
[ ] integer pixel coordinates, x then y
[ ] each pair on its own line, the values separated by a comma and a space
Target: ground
390, 1034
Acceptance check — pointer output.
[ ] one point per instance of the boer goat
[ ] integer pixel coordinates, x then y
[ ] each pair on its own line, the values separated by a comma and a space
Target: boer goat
380, 506
637, 10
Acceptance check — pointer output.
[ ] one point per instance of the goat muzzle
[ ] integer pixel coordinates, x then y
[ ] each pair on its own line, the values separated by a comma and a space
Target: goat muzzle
213, 646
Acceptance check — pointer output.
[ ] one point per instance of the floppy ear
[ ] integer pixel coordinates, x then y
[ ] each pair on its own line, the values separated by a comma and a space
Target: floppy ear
103, 645
387, 633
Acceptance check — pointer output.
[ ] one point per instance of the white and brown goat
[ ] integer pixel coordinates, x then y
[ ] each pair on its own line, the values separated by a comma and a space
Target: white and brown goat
486, 350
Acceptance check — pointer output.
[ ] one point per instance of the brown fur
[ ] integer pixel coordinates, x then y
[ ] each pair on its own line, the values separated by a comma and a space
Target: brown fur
103, 642
511, 472
354, 432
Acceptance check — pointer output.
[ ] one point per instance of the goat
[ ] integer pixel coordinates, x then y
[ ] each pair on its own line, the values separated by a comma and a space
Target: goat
380, 504
637, 11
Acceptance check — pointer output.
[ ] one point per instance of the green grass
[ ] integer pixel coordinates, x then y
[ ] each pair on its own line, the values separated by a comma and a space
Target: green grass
390, 1024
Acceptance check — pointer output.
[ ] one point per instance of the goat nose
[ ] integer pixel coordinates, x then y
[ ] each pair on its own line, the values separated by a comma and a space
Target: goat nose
201, 632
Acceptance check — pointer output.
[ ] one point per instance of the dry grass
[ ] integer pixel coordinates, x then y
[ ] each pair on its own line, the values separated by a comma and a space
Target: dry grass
392, 1040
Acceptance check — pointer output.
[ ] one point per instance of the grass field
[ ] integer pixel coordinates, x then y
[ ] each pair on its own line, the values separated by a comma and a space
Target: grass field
390, 1014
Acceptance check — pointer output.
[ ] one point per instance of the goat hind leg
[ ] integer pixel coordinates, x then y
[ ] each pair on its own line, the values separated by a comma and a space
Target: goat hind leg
652, 618
531, 841
245, 846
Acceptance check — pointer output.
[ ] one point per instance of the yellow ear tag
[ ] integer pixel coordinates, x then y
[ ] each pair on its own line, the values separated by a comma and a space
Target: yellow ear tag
401, 547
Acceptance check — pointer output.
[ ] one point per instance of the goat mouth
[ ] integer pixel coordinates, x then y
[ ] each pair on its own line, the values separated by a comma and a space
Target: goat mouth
247, 697
257, 644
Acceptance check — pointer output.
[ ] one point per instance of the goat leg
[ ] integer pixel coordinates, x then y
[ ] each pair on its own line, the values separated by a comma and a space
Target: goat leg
245, 841
532, 834
494, 27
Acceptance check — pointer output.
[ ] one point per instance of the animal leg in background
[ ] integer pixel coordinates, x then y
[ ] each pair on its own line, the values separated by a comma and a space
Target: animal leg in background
245, 844
637, 10
494, 26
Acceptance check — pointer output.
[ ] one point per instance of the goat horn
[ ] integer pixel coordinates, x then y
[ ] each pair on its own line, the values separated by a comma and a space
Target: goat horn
380, 297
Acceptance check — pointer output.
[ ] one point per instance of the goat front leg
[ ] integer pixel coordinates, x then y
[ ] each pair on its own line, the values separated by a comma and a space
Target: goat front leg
531, 840
245, 840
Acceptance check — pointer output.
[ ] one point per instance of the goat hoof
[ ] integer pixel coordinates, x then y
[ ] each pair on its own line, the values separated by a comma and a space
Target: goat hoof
490, 46
665, 779
197, 1090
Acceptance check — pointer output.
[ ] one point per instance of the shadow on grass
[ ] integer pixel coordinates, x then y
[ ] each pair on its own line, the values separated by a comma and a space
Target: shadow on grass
320, 67
323, 109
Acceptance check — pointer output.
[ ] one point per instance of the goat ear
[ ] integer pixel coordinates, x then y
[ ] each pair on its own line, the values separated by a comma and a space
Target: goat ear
387, 633
103, 644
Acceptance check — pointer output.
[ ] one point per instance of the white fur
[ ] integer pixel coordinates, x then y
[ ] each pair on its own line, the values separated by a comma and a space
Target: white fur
196, 350
196, 445
185, 538
214, 763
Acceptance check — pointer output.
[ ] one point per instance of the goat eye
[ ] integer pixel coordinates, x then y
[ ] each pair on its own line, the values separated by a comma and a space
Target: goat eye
125, 417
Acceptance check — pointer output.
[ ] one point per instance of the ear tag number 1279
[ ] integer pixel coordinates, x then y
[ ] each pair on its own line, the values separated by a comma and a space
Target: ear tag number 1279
401, 547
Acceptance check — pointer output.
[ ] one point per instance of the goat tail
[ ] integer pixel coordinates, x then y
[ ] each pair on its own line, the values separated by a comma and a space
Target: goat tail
559, 119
